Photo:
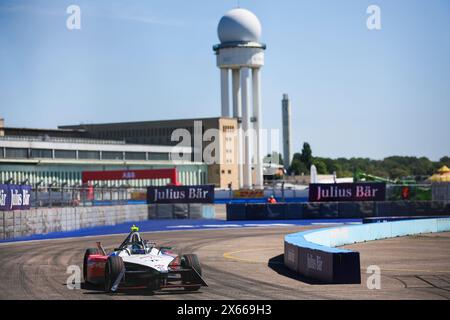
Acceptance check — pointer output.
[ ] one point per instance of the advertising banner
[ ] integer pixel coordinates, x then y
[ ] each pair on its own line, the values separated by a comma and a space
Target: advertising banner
248, 194
181, 194
364, 191
14, 197
5, 199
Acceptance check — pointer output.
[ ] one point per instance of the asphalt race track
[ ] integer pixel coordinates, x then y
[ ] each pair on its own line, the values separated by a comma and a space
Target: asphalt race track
237, 264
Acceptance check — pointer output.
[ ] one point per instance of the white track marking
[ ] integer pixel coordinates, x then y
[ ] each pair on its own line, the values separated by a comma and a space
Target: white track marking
180, 227
326, 223
221, 225
268, 225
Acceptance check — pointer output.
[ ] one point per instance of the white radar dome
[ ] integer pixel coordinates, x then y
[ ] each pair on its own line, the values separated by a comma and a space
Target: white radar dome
239, 25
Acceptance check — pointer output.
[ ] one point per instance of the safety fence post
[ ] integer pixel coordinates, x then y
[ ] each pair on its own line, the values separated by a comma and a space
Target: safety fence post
14, 224
4, 226
189, 210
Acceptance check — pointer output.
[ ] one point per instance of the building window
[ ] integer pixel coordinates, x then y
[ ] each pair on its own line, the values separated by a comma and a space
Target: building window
89, 155
229, 171
135, 155
65, 154
112, 155
41, 153
16, 153
158, 156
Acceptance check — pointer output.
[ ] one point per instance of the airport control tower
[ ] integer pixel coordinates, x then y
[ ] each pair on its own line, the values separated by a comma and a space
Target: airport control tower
287, 142
241, 54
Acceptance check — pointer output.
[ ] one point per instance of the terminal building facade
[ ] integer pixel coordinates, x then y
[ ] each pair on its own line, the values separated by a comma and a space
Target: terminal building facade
222, 173
59, 156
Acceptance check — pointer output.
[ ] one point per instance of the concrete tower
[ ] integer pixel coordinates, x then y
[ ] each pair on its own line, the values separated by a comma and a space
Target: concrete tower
241, 54
287, 142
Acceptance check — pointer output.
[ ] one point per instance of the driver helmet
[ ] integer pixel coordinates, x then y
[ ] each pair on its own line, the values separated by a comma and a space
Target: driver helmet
137, 249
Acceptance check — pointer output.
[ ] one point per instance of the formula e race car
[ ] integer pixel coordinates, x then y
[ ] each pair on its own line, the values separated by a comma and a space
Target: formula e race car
139, 263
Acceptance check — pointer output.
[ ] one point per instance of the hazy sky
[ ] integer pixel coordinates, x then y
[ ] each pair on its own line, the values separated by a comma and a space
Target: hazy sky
354, 92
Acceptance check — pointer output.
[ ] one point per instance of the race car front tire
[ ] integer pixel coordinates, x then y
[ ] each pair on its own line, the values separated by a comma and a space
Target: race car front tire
88, 253
190, 261
113, 267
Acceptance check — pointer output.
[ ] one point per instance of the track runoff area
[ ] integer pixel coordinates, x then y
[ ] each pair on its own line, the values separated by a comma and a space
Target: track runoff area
239, 261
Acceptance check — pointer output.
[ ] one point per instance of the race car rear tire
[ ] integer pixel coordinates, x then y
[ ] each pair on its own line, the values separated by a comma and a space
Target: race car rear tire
190, 261
88, 253
113, 267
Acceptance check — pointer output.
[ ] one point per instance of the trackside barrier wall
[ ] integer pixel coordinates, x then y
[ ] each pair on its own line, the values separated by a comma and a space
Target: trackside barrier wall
440, 191
312, 253
335, 210
21, 223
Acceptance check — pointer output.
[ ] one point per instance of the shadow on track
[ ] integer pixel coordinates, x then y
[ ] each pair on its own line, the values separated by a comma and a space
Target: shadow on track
98, 290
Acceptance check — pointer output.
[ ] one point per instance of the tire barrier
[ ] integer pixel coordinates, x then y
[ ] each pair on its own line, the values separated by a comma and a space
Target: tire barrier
313, 255
335, 210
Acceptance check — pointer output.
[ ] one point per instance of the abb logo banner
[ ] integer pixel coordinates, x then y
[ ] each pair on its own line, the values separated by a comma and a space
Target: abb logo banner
129, 175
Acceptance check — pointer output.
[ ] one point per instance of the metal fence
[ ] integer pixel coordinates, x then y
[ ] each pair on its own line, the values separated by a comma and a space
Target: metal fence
441, 191
85, 196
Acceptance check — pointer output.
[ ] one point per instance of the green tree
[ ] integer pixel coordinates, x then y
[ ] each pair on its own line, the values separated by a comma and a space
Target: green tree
398, 173
320, 166
298, 167
393, 167
444, 161
331, 164
297, 156
306, 155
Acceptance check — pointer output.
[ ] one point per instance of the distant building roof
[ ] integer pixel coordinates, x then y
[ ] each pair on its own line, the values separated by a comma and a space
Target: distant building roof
135, 123
44, 129
37, 132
